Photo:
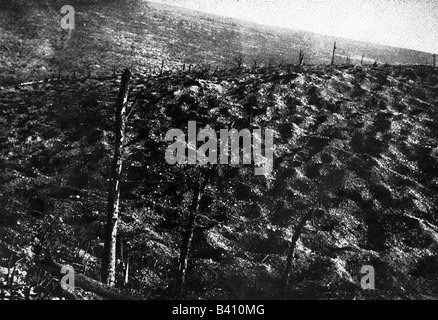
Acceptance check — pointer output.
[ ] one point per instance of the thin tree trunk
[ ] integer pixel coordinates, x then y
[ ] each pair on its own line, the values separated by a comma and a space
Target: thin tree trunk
126, 280
109, 259
301, 58
186, 244
333, 56
297, 233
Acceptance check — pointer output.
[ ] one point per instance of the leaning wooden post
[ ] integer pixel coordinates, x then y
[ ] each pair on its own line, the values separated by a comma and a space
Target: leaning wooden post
301, 58
109, 259
187, 238
162, 67
333, 56
126, 280
291, 251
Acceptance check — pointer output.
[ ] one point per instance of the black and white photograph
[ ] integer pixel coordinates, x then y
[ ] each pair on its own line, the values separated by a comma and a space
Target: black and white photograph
187, 151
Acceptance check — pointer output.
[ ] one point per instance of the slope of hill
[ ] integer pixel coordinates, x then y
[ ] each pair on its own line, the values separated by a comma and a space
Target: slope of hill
358, 145
355, 147
116, 34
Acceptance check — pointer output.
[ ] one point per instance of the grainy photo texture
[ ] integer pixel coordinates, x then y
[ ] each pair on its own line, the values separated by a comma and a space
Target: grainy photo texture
218, 150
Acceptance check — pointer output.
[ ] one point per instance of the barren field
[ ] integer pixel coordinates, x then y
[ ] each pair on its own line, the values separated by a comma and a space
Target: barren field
358, 145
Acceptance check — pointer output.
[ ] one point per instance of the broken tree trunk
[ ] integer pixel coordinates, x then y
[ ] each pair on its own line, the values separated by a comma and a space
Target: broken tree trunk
109, 259
186, 244
162, 67
301, 58
126, 276
333, 55
297, 233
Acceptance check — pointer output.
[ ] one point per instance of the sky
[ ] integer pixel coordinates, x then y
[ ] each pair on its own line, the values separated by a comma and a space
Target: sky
411, 24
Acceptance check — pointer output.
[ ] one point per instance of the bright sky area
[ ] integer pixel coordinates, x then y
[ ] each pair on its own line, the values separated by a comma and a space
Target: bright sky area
411, 24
